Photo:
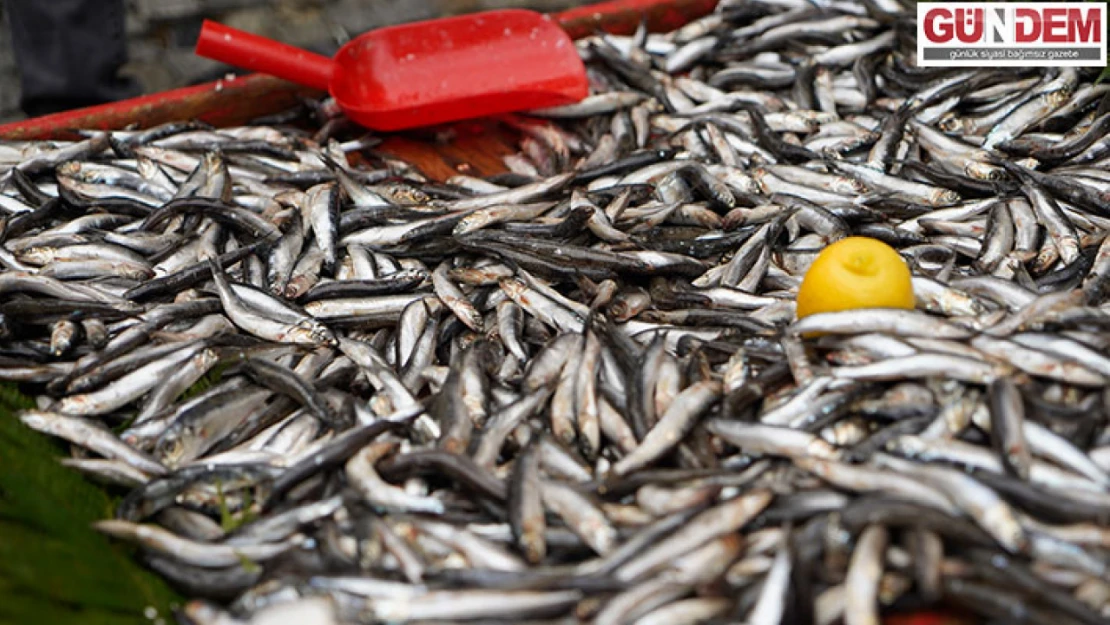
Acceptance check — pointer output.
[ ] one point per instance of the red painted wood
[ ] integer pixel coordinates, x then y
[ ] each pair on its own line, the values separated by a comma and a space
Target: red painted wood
624, 16
221, 103
928, 618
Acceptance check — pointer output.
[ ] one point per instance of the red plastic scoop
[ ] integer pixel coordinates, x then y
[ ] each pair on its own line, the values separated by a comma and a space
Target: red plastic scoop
424, 73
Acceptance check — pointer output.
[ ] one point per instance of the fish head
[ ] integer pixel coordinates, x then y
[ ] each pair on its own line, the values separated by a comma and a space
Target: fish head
983, 171
1005, 528
1018, 459
134, 271
472, 222
33, 419
314, 332
908, 446
513, 287
202, 611
945, 197
757, 176
402, 194
38, 255
295, 288
951, 124
69, 168
823, 450
174, 448
1058, 97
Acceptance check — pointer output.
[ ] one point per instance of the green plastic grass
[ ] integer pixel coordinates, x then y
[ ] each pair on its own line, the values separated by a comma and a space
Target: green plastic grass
54, 569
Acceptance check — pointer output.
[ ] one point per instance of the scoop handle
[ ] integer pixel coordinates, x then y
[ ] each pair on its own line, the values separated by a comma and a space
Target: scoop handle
248, 51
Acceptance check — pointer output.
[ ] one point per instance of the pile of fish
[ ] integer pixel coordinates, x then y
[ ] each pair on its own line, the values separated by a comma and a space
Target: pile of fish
335, 391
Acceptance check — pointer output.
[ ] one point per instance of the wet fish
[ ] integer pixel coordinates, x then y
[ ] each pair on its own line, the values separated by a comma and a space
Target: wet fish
577, 390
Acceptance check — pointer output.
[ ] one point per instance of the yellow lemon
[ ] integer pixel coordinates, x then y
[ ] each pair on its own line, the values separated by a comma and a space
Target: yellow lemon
856, 272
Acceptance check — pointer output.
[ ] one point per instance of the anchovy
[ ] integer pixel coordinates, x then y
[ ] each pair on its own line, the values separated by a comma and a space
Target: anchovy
864, 574
158, 540
302, 332
93, 436
984, 505
1007, 426
680, 417
567, 382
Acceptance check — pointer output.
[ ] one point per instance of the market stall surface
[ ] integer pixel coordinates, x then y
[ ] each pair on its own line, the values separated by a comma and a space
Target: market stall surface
554, 374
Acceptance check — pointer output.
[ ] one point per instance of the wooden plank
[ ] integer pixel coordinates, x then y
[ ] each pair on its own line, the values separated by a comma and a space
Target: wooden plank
227, 102
474, 148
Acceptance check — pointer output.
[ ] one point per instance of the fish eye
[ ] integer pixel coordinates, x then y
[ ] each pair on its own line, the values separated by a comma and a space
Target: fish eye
171, 448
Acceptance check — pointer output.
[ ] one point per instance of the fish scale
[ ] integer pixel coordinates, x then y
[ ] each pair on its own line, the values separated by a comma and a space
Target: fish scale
569, 391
